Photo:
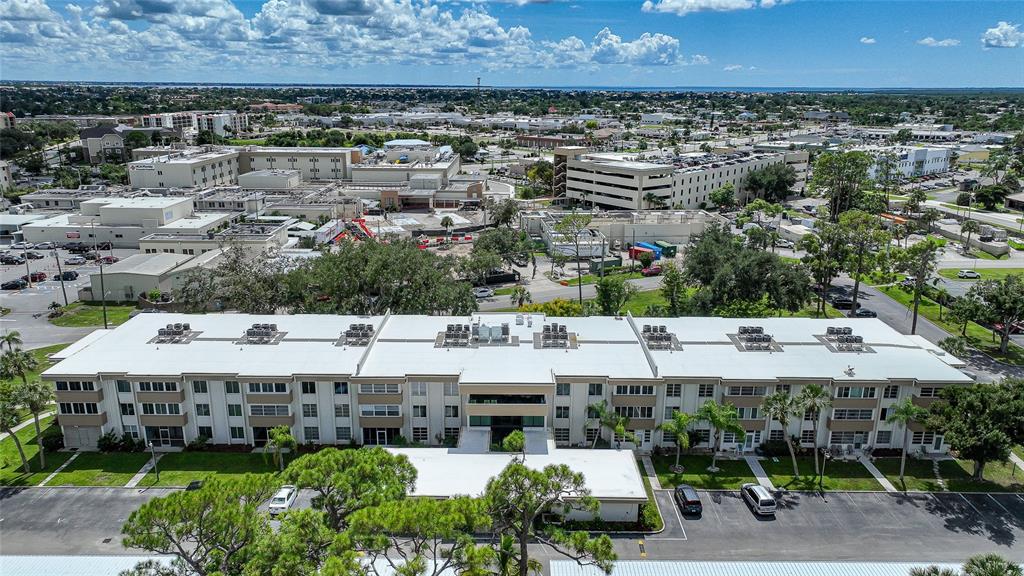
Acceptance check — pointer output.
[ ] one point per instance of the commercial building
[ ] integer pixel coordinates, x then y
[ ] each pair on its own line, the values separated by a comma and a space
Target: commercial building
621, 227
222, 123
6, 180
910, 161
180, 122
192, 169
105, 142
255, 237
630, 182
404, 160
139, 274
312, 163
434, 379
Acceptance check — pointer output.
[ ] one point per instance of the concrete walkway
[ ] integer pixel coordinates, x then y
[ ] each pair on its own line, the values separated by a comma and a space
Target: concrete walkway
1016, 460
59, 469
759, 473
26, 423
142, 473
877, 474
652, 476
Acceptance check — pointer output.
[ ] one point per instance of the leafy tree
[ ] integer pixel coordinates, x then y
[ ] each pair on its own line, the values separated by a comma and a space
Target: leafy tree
252, 284
519, 496
209, 529
981, 423
599, 412
195, 290
679, 427
467, 149
915, 200
991, 196
348, 480
771, 182
780, 407
969, 227
919, 261
137, 139
559, 307
11, 399
814, 398
38, 396
991, 565
903, 413
114, 173
863, 237
447, 223
504, 213
12, 339
613, 292
955, 345
723, 197
928, 219
646, 259
541, 174
965, 309
1004, 304
825, 254
573, 227
673, 289
841, 177
303, 545
723, 418
515, 442
964, 199
478, 264
280, 439
512, 246
887, 174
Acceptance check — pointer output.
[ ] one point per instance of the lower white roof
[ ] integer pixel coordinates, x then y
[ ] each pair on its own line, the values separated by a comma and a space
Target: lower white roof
656, 568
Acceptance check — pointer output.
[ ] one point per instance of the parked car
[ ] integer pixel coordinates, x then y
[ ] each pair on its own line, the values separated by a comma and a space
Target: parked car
651, 271
194, 485
109, 259
22, 246
971, 274
688, 500
843, 303
45, 246
31, 255
74, 246
34, 277
908, 282
864, 313
91, 256
783, 243
283, 500
16, 284
11, 259
1015, 328
483, 292
103, 246
67, 275
760, 500
74, 260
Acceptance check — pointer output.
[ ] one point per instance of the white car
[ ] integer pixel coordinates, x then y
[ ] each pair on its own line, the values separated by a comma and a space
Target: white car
74, 260
45, 246
968, 274
483, 292
22, 246
283, 500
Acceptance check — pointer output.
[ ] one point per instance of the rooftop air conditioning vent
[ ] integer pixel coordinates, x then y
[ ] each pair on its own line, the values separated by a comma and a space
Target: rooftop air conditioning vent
175, 333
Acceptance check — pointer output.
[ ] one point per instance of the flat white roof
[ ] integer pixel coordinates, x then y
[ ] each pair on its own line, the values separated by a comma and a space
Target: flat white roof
147, 264
608, 474
195, 220
111, 565
138, 201
759, 568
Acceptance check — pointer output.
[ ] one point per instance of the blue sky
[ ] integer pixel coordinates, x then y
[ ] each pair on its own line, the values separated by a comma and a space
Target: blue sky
814, 43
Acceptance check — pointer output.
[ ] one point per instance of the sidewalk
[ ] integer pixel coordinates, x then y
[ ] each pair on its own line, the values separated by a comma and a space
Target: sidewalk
877, 474
142, 472
59, 469
652, 476
759, 473
1016, 460
26, 423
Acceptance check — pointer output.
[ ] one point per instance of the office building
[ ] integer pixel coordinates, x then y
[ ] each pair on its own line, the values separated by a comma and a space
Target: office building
223, 123
201, 168
910, 161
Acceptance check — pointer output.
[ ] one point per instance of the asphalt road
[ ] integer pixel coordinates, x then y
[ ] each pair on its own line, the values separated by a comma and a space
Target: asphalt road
841, 526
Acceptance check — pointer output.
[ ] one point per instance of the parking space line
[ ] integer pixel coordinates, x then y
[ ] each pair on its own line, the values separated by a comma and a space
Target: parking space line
976, 511
998, 503
678, 518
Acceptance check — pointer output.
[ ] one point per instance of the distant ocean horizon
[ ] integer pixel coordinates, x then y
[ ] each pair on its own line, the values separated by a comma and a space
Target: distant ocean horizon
570, 88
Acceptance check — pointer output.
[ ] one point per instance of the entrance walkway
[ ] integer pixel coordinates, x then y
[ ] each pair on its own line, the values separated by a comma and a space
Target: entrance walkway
1016, 460
877, 474
652, 476
142, 473
759, 473
59, 469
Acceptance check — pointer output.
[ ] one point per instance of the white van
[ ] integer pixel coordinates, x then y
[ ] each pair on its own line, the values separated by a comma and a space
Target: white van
283, 500
759, 499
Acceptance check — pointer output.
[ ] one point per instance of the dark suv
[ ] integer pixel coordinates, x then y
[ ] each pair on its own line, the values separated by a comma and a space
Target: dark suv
688, 500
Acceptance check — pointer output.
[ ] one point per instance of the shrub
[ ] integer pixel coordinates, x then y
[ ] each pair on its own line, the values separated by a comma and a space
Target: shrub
53, 440
773, 448
649, 516
198, 445
109, 442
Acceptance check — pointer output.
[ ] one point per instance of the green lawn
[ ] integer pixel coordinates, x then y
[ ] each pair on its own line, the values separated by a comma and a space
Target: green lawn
998, 477
180, 468
81, 314
503, 291
41, 356
638, 304
979, 336
839, 474
918, 474
939, 240
1016, 245
982, 255
650, 497
986, 273
593, 278
101, 469
246, 141
11, 472
732, 473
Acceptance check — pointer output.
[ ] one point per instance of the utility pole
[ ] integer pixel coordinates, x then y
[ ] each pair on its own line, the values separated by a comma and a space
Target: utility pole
60, 274
28, 272
99, 259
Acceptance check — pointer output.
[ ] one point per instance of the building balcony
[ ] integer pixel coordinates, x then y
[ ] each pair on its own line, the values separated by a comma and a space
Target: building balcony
754, 425
482, 409
269, 398
163, 419
92, 396
854, 402
161, 397
634, 400
743, 401
922, 402
851, 425
82, 419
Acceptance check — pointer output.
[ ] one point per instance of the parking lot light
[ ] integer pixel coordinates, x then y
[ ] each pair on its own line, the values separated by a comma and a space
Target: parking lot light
60, 274
152, 450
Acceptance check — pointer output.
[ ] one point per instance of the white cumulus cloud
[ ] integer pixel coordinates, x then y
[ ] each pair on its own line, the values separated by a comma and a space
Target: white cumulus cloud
684, 7
867, 40
1003, 35
933, 43
733, 67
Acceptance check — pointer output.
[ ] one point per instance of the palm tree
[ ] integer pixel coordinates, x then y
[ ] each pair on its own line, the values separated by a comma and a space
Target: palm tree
957, 346
598, 411
723, 418
37, 397
903, 413
970, 227
933, 571
780, 406
10, 400
447, 223
520, 296
814, 398
18, 363
991, 565
12, 339
279, 439
679, 425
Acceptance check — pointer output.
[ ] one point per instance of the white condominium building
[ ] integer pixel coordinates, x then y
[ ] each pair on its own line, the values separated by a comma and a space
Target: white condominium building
170, 378
203, 169
910, 161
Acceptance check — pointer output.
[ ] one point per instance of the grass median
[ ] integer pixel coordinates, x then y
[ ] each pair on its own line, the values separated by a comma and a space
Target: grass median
917, 476
997, 477
101, 469
731, 474
11, 471
986, 273
845, 475
85, 314
180, 468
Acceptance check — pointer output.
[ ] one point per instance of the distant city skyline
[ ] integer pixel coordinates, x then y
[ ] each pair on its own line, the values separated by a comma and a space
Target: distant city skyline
653, 43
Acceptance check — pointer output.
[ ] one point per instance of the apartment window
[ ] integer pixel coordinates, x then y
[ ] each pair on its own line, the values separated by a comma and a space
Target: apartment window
267, 388
592, 434
777, 435
852, 414
418, 388
562, 435
451, 434
729, 437
670, 412
923, 438
668, 437
203, 410
891, 392
855, 392
634, 390
451, 388
929, 392
883, 437
380, 410
420, 435
807, 436
810, 415
635, 411
673, 390
124, 386
199, 387
342, 411
595, 389
309, 410
749, 413
75, 386
784, 388
705, 390
205, 431
451, 411
562, 389
234, 409
703, 435
746, 390
127, 409
561, 411
160, 409
237, 433
883, 414
309, 387
341, 387
848, 438
343, 433
419, 411
158, 386
269, 410
311, 433
231, 387
379, 389
131, 430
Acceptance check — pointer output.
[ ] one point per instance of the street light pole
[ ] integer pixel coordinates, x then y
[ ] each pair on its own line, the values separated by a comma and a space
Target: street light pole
28, 272
152, 450
60, 274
